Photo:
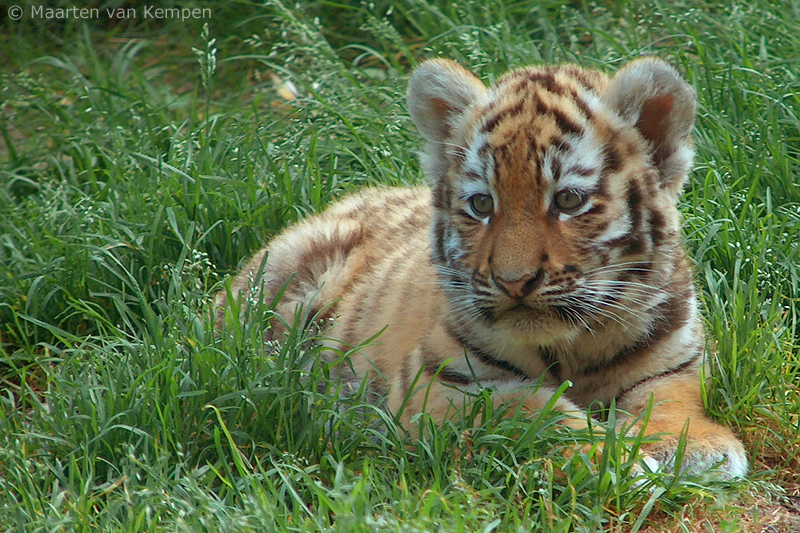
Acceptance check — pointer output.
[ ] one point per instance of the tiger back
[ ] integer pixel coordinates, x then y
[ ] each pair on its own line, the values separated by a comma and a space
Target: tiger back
546, 246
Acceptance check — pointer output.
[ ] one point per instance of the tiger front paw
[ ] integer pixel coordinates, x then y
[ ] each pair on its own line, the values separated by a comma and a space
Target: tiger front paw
725, 455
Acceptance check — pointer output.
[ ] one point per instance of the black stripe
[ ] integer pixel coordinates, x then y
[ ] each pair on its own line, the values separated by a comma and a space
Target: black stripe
541, 109
579, 74
438, 239
532, 153
501, 154
556, 168
634, 200
563, 147
519, 86
581, 171
508, 112
547, 79
671, 372
440, 197
640, 270
634, 240
458, 152
405, 375
672, 316
657, 228
613, 161
552, 363
565, 123
485, 357
581, 105
486, 313
597, 209
432, 368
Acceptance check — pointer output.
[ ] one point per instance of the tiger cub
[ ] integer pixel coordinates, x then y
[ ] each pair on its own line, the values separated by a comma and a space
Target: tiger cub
546, 246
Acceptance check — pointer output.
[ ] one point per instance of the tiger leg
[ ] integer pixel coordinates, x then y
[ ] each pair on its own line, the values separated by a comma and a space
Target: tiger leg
676, 403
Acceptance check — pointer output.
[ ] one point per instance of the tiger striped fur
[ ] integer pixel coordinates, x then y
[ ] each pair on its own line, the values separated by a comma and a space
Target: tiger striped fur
546, 245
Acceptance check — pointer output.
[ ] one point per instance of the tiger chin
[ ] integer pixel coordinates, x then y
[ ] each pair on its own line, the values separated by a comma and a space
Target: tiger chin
546, 247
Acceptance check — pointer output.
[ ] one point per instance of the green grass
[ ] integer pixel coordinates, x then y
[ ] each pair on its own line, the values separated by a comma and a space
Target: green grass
136, 174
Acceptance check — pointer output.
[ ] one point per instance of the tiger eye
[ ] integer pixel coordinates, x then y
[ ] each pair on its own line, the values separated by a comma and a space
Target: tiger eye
568, 200
482, 205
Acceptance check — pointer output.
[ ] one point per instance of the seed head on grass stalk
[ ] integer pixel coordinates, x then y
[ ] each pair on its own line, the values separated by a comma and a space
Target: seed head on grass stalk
207, 59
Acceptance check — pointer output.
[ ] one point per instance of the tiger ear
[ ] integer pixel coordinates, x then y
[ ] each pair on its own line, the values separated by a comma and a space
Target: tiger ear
650, 95
439, 92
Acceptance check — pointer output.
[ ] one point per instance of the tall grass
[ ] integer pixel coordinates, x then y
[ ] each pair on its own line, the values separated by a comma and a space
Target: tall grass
136, 174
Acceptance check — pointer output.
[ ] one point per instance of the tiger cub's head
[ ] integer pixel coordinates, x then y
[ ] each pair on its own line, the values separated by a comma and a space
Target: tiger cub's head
554, 194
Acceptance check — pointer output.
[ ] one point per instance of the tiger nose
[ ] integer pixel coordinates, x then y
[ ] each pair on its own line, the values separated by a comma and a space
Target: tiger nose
521, 287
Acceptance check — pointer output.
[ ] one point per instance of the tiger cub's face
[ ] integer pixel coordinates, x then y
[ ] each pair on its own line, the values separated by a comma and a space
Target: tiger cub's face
554, 194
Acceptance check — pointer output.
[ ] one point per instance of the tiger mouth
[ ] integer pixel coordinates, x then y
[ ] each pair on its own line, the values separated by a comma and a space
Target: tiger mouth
524, 309
537, 313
